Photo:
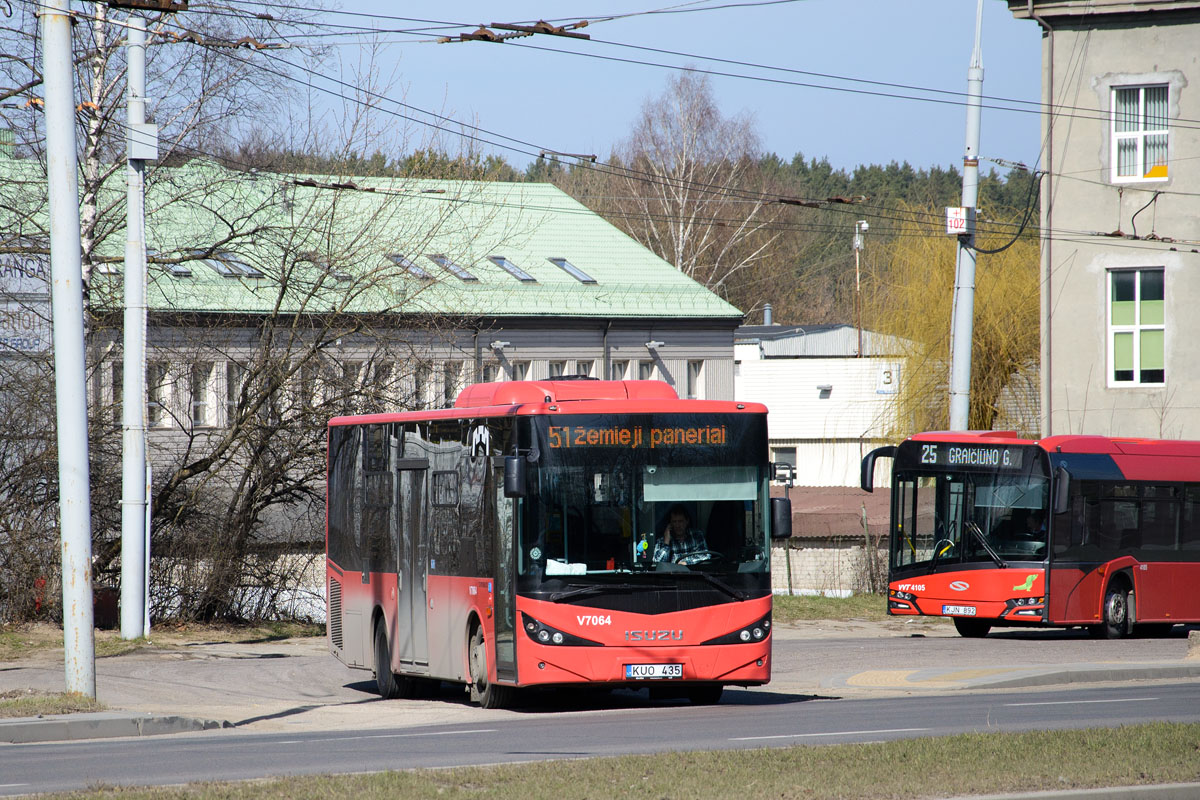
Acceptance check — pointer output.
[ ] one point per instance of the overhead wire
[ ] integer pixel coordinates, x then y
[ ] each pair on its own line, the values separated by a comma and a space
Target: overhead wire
742, 195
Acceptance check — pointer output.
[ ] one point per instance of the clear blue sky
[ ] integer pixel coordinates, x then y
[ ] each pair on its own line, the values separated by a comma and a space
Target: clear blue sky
567, 101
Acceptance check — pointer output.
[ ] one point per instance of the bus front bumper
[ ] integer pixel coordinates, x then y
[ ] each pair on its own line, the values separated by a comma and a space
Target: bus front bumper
740, 664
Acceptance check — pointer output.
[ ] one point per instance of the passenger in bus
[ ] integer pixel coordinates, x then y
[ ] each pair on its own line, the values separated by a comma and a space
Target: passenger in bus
679, 538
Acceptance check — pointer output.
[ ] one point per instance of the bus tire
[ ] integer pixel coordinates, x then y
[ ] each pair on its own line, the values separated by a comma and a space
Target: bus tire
708, 695
486, 694
971, 628
390, 685
1116, 612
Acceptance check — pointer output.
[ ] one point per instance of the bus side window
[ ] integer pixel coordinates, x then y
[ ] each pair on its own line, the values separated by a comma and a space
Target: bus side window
1189, 523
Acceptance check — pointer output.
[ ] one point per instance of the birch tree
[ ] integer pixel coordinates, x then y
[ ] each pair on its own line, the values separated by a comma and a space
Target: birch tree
689, 186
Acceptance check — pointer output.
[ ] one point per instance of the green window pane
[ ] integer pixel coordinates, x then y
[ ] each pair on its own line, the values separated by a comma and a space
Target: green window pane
1122, 353
1152, 312
1124, 292
1123, 313
1151, 350
1152, 296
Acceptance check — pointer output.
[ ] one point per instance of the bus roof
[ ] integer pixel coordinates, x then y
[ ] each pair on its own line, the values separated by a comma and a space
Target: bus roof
580, 396
1071, 443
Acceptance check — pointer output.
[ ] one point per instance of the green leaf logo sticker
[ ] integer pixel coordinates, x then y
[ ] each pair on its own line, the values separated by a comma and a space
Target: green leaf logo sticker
1027, 585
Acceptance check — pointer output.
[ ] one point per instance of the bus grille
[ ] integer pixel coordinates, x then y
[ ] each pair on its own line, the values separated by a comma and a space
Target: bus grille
335, 613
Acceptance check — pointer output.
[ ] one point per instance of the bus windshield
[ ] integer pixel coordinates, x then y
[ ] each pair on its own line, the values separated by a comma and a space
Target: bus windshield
654, 493
974, 511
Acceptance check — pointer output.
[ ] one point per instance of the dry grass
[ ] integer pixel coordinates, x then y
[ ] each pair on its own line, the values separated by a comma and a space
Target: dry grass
902, 770
29, 703
23, 641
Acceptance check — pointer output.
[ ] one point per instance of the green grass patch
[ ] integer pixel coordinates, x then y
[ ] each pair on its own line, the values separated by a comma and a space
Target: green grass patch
915, 768
21, 640
28, 703
794, 608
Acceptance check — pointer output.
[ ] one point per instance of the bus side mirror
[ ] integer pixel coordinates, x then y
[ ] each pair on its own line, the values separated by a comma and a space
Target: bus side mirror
867, 478
514, 476
1062, 490
781, 517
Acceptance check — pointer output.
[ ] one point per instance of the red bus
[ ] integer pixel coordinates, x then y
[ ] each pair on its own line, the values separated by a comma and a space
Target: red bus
993, 531
517, 539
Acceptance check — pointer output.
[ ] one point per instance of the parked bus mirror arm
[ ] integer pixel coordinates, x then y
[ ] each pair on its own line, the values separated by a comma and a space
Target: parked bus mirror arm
867, 478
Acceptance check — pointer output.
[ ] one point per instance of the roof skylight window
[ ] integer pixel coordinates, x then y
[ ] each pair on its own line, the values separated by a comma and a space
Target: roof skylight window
512, 269
228, 264
323, 262
413, 269
572, 270
454, 269
176, 270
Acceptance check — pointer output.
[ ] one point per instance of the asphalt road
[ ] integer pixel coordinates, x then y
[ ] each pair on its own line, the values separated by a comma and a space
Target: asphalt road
581, 727
296, 710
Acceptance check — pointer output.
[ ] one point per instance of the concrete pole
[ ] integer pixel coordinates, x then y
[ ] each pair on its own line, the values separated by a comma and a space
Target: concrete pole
70, 385
860, 228
134, 552
963, 322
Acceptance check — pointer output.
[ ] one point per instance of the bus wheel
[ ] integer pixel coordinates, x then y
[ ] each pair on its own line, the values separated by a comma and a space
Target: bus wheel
487, 695
1116, 613
706, 695
389, 684
971, 628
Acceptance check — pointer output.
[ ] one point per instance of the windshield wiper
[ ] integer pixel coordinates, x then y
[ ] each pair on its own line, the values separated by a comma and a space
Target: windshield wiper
558, 597
720, 584
978, 534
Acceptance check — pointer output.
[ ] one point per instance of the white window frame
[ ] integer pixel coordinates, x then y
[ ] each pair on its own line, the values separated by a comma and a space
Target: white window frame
158, 394
695, 380
200, 377
1136, 329
1139, 136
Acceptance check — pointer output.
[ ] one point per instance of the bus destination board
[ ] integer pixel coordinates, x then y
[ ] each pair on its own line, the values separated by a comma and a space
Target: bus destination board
942, 454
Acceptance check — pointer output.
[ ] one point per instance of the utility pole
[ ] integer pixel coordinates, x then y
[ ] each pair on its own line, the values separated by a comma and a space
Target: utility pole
70, 386
963, 322
141, 140
860, 228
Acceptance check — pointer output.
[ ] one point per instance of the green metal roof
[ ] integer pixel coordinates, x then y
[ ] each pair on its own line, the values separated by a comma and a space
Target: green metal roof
265, 220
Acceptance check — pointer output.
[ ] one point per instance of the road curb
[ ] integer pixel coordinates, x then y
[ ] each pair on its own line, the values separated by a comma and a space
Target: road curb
1164, 791
99, 725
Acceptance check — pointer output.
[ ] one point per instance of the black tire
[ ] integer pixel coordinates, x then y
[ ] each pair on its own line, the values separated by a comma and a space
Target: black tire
971, 628
708, 695
386, 682
1116, 613
486, 694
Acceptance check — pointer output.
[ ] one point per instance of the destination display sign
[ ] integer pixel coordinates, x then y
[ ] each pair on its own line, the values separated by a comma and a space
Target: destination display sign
950, 455
634, 436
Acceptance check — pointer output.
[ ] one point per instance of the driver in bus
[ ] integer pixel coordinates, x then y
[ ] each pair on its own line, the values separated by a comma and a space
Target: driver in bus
1035, 525
679, 539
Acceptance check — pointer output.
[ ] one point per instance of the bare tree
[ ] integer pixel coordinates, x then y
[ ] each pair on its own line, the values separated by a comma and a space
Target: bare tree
689, 188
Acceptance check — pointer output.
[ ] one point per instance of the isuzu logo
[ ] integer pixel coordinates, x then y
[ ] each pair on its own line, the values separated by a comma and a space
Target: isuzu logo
653, 636
960, 586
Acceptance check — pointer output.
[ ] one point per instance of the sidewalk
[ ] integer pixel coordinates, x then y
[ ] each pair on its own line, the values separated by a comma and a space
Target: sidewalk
295, 684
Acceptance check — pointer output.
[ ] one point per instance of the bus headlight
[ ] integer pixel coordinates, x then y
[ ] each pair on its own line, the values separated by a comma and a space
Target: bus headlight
542, 633
751, 633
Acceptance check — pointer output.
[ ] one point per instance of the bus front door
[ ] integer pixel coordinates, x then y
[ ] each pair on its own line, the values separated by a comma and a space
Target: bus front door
412, 568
